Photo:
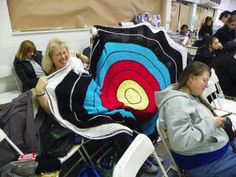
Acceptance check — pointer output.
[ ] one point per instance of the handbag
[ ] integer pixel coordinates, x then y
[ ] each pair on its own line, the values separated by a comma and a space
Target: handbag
229, 129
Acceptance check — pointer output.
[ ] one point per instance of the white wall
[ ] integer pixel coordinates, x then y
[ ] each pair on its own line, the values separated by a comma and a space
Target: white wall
229, 5
9, 42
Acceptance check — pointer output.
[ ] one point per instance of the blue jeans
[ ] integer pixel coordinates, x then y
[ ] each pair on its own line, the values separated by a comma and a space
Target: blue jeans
223, 167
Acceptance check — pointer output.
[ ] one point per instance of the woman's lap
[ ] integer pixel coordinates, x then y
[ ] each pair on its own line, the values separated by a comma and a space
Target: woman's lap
224, 167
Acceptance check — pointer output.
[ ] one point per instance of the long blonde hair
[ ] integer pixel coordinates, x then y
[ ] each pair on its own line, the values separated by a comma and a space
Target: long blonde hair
24, 48
47, 63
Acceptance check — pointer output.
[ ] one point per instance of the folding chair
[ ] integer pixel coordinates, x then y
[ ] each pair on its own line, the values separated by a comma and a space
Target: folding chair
82, 151
133, 158
217, 96
166, 143
10, 90
4, 136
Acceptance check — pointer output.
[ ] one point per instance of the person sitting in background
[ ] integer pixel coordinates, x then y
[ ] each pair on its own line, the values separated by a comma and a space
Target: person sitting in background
199, 144
227, 32
74, 90
201, 42
185, 34
206, 27
184, 30
209, 51
221, 21
225, 68
27, 64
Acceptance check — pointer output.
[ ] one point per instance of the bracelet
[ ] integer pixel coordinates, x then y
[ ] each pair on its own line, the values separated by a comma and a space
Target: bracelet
39, 95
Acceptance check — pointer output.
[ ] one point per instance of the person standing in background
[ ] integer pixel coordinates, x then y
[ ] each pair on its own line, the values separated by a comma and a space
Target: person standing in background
221, 21
27, 65
227, 32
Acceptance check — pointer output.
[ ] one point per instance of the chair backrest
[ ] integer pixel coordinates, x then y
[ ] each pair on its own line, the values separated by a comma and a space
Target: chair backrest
215, 80
217, 98
214, 91
166, 143
9, 87
133, 158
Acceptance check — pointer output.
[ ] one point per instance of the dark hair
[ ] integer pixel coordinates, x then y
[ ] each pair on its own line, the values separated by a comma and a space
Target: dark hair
209, 40
183, 26
233, 12
230, 48
224, 14
195, 68
208, 18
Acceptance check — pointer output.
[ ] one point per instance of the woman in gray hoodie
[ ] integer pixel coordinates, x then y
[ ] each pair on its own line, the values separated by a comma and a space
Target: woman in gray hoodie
198, 142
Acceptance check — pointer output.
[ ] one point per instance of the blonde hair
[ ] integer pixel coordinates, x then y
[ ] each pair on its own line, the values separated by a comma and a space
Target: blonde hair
24, 48
47, 63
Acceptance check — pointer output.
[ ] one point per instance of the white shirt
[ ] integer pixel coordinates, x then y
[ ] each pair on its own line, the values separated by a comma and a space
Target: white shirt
217, 25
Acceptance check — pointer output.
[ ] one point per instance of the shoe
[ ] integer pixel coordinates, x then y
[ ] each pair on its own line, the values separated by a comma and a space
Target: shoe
153, 160
148, 167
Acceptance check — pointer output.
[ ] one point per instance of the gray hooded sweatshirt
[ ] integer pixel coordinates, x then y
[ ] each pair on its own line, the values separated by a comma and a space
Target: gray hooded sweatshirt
188, 123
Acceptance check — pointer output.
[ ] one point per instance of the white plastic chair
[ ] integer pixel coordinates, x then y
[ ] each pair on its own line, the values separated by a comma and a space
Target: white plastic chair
133, 158
218, 99
166, 143
8, 93
3, 136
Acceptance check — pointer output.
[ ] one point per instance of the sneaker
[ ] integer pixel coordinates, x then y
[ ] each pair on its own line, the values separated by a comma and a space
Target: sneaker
148, 167
153, 160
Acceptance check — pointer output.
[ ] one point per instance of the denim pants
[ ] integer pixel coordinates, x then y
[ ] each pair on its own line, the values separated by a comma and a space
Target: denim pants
223, 167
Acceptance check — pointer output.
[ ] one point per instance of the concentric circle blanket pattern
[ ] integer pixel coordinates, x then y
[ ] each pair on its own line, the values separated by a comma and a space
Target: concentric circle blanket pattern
130, 64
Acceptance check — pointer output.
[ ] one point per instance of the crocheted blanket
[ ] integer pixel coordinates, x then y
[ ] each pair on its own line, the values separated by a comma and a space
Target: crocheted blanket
74, 99
130, 64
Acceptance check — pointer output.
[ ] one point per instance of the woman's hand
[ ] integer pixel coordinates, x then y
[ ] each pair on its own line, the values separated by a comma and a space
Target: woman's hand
219, 121
220, 46
40, 94
42, 83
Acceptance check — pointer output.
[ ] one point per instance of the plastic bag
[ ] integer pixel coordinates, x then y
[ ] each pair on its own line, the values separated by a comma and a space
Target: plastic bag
19, 169
88, 171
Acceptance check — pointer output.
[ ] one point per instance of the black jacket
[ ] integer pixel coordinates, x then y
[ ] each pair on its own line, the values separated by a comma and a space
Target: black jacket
205, 30
205, 56
224, 35
26, 73
225, 68
18, 122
